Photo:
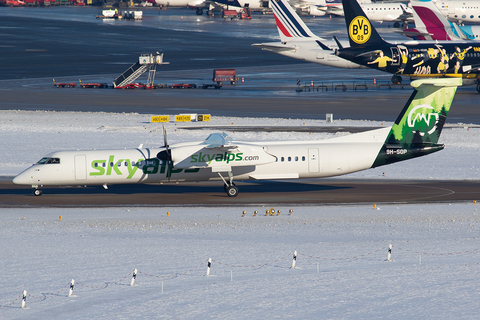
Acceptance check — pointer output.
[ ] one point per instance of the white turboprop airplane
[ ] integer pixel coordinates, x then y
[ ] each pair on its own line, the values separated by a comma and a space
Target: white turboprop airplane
298, 42
415, 133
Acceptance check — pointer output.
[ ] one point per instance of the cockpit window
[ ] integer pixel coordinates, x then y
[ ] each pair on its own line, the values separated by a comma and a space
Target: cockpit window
49, 160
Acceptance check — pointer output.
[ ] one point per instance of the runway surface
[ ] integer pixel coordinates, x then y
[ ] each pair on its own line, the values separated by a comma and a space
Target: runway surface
306, 192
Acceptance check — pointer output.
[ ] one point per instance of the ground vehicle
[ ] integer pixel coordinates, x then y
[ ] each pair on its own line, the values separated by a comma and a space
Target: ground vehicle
183, 86
12, 3
94, 85
221, 75
65, 85
232, 14
209, 85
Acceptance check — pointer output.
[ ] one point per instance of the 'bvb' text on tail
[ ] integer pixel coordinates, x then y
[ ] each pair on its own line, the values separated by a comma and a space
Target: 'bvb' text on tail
360, 30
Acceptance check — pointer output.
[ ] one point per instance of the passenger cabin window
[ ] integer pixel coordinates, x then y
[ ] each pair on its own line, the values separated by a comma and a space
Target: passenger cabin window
49, 161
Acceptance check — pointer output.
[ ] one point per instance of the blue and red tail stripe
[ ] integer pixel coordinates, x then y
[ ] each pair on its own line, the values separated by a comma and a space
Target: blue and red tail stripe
286, 21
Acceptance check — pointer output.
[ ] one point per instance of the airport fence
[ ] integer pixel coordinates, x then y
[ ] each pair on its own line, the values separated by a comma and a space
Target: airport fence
132, 277
328, 86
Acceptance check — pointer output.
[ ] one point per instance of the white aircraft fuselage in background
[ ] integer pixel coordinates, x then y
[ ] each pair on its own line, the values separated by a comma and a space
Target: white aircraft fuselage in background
460, 11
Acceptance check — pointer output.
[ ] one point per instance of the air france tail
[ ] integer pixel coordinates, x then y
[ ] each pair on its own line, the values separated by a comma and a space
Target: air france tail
417, 129
289, 24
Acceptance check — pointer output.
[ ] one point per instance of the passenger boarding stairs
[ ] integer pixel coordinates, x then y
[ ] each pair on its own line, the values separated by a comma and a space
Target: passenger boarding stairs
145, 62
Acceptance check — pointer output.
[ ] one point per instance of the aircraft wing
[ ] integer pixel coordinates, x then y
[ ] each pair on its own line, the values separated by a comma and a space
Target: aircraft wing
275, 46
196, 3
335, 11
219, 153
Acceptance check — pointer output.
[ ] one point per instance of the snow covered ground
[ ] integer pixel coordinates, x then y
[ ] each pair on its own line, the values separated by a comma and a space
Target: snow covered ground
341, 269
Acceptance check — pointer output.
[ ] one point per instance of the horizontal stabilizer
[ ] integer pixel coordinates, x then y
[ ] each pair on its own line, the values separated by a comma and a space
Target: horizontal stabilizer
274, 47
337, 42
414, 33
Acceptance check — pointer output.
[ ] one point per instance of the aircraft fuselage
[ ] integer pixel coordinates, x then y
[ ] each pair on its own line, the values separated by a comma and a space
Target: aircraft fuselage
420, 59
278, 160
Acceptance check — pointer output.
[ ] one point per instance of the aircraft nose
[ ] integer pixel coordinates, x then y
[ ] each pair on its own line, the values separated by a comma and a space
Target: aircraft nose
23, 178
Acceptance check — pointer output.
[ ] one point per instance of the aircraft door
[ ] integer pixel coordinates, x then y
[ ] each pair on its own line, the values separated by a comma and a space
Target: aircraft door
451, 8
80, 167
395, 56
313, 160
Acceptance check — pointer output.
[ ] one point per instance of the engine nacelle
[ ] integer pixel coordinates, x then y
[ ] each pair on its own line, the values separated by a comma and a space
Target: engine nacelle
315, 11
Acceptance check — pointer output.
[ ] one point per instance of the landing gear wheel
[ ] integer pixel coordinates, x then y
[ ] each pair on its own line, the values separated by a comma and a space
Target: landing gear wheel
396, 25
199, 11
396, 79
232, 191
37, 192
478, 87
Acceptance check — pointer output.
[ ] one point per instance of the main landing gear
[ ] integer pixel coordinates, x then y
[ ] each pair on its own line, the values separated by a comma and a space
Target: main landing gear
478, 87
229, 186
396, 79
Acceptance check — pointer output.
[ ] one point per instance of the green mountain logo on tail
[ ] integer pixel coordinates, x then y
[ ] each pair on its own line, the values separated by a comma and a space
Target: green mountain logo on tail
420, 114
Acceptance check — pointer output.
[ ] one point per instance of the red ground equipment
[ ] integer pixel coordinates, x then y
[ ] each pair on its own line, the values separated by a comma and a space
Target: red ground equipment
221, 75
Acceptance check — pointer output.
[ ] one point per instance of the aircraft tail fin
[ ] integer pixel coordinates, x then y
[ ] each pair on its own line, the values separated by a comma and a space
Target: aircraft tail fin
418, 127
288, 22
428, 17
360, 31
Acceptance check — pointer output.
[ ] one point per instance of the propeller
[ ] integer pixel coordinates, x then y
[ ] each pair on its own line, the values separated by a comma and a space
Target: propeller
166, 155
